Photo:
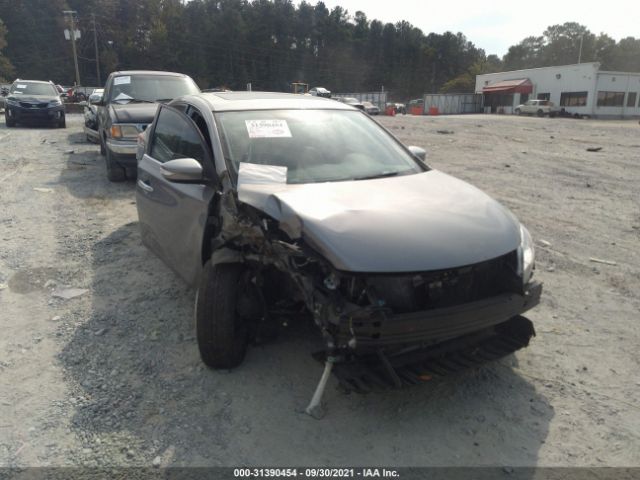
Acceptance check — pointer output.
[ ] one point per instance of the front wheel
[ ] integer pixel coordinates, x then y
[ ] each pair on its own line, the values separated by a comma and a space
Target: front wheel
9, 121
221, 332
540, 113
115, 173
62, 123
518, 112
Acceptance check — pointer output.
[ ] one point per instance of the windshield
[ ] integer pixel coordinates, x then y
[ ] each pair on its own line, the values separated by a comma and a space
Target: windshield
314, 145
150, 88
26, 88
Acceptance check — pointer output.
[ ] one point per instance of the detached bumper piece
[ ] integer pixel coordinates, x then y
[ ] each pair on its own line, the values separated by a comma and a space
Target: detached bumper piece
379, 371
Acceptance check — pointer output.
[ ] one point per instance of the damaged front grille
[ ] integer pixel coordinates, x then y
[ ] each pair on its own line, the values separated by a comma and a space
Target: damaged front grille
435, 289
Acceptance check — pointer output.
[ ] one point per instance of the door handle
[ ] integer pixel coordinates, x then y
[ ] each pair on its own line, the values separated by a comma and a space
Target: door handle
145, 186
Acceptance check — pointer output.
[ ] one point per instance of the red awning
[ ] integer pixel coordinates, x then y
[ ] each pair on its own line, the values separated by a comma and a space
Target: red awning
522, 85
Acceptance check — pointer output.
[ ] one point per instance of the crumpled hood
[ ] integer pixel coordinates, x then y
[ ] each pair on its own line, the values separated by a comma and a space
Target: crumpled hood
134, 112
421, 222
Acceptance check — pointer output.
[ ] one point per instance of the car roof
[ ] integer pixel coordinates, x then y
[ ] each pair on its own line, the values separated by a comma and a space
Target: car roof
233, 101
148, 72
21, 80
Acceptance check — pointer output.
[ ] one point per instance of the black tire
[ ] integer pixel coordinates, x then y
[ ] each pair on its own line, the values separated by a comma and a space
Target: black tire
222, 334
518, 112
115, 173
540, 113
103, 149
10, 122
62, 123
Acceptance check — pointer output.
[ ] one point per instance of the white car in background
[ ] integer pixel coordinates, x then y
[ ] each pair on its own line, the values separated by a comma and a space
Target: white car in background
320, 92
538, 107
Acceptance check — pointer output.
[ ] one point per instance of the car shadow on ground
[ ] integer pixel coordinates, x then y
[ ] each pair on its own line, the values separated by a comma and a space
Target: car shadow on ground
136, 366
85, 175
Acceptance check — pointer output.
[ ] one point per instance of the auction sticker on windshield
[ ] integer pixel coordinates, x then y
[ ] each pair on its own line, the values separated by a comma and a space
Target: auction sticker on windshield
21, 85
268, 128
122, 80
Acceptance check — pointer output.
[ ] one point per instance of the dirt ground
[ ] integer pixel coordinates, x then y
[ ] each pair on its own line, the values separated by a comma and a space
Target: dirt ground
113, 377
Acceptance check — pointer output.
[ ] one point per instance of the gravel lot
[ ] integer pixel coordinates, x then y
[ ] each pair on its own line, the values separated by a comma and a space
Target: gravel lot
112, 377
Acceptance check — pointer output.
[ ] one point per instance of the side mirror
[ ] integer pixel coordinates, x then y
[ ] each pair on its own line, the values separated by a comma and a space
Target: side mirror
99, 102
82, 103
4, 92
421, 153
182, 170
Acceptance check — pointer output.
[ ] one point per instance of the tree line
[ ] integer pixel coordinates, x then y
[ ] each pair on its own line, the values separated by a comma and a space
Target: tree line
272, 43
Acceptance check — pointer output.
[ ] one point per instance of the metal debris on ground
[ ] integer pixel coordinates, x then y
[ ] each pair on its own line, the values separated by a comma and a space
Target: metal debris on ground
69, 293
315, 408
594, 149
599, 260
445, 132
43, 190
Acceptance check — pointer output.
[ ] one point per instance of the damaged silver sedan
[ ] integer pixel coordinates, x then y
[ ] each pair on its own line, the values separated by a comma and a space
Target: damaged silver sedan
283, 206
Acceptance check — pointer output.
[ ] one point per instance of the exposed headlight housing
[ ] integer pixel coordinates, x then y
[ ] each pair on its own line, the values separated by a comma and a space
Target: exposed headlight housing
119, 131
55, 103
12, 101
526, 255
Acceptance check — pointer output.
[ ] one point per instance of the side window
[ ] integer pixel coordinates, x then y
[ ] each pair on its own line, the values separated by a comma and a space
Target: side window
174, 137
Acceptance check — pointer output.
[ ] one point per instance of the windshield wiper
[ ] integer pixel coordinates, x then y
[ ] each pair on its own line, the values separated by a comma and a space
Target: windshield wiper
163, 99
379, 175
138, 100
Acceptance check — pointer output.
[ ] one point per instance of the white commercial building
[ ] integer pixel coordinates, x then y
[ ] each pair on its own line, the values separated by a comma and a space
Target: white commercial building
581, 89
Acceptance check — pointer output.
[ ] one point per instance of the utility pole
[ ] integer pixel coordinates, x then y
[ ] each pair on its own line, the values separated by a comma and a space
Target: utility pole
71, 13
580, 51
95, 42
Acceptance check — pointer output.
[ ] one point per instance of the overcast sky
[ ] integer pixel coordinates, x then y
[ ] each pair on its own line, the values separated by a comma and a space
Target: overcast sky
495, 25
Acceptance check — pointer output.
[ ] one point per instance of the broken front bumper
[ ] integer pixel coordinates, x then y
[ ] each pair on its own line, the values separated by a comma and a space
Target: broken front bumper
381, 371
377, 328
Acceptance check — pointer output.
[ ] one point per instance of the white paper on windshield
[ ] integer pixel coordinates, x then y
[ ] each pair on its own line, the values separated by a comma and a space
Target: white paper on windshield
256, 182
268, 128
21, 85
255, 174
123, 96
122, 80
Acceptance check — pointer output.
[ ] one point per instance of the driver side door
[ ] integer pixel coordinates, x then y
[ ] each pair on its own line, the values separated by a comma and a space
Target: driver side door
173, 214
